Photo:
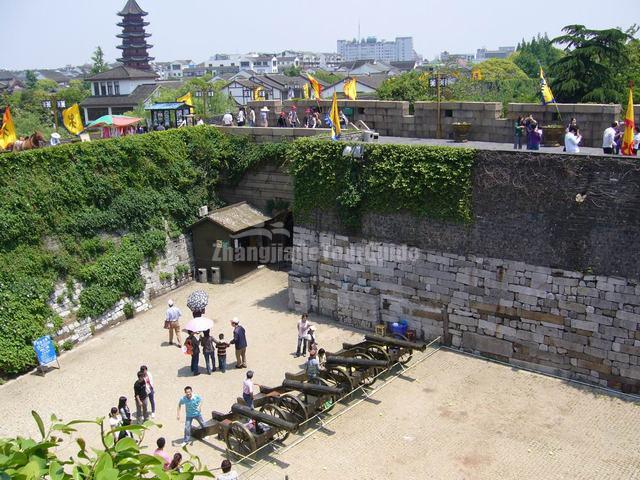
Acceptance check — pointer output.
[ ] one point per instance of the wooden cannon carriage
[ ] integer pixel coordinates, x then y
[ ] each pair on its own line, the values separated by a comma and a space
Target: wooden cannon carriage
272, 424
390, 349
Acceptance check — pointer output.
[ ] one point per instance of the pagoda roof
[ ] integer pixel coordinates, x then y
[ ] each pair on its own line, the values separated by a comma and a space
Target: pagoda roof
132, 8
134, 45
136, 59
132, 24
133, 34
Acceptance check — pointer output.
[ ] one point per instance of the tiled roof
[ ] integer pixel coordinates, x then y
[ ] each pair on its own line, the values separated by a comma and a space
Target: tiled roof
237, 217
122, 73
139, 95
132, 8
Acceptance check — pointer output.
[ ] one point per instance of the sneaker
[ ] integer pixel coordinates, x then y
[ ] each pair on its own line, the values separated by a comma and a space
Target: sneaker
153, 415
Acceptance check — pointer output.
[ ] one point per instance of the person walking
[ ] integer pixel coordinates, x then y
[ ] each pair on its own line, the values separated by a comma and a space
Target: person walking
227, 473
572, 140
193, 348
247, 389
115, 421
148, 378
222, 353
252, 117
282, 120
240, 343
192, 409
227, 119
609, 139
264, 121
208, 350
125, 415
159, 452
141, 396
518, 132
303, 327
293, 117
172, 322
240, 117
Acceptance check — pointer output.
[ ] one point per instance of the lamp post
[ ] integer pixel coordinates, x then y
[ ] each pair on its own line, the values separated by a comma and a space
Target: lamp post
53, 105
204, 93
437, 82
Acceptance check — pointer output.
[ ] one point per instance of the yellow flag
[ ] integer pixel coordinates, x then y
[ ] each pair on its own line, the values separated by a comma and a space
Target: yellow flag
629, 128
350, 89
335, 118
545, 89
305, 91
256, 93
72, 120
7, 131
186, 98
317, 88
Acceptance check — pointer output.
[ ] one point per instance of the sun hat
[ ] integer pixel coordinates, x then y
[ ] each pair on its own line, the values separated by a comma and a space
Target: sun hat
235, 320
55, 135
170, 302
197, 301
264, 109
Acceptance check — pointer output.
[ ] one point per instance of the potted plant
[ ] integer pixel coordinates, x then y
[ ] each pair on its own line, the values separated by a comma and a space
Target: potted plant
553, 135
460, 131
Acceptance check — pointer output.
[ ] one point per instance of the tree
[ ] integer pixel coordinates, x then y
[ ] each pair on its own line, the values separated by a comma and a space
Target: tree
410, 86
292, 71
594, 65
216, 104
327, 77
538, 52
99, 64
32, 79
496, 69
26, 459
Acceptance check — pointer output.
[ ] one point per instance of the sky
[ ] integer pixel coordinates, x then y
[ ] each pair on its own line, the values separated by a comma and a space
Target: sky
54, 33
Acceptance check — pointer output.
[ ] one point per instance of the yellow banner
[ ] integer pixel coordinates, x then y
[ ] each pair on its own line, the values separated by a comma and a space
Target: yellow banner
317, 88
629, 128
186, 98
335, 118
72, 120
256, 93
8, 130
305, 91
350, 89
545, 89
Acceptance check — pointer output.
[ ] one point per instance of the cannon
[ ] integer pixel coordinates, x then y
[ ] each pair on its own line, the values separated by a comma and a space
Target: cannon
240, 438
350, 369
391, 349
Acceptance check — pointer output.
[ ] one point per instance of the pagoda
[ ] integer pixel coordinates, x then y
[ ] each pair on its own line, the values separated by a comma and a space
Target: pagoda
134, 44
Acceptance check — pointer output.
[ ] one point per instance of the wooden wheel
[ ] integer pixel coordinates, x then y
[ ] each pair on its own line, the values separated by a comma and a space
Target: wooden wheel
404, 354
339, 378
275, 411
240, 440
368, 377
330, 401
293, 407
378, 353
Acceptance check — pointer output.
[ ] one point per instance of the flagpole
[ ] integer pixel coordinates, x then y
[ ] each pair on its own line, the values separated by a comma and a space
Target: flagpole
555, 103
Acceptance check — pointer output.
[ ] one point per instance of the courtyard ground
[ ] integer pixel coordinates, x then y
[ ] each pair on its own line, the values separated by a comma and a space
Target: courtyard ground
449, 417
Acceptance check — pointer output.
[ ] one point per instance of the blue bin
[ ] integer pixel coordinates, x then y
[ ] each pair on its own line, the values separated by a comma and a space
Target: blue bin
399, 328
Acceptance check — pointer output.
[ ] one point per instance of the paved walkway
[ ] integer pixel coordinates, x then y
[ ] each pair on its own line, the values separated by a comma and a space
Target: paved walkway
451, 417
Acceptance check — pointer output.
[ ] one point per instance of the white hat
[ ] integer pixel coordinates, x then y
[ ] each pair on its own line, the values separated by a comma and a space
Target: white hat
170, 302
235, 320
264, 109
55, 135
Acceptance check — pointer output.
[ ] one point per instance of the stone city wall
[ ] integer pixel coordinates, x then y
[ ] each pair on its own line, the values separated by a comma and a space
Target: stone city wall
65, 299
489, 124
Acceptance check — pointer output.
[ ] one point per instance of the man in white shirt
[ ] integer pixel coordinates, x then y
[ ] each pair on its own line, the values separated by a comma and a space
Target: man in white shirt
247, 389
227, 119
609, 138
172, 322
572, 140
303, 330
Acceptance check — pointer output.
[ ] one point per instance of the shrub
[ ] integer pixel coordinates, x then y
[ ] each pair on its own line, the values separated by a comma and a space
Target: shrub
67, 345
128, 310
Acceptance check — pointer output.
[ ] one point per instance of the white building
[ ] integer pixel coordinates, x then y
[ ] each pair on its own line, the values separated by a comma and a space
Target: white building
371, 49
172, 70
502, 52
250, 61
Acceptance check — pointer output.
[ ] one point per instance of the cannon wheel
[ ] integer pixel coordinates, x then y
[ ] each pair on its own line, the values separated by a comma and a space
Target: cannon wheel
368, 373
275, 411
240, 440
407, 354
339, 378
292, 406
332, 398
378, 353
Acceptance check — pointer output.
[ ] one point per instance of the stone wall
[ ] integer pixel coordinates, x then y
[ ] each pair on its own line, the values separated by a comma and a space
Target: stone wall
271, 135
568, 323
489, 122
64, 300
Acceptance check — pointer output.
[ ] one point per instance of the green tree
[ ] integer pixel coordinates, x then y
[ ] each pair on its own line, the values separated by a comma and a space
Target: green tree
32, 79
216, 104
410, 86
496, 69
327, 77
537, 52
594, 65
99, 65
292, 71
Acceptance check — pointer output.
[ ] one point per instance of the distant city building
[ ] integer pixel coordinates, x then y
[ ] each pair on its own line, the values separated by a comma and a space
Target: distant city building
172, 70
371, 49
134, 44
446, 57
502, 52
251, 61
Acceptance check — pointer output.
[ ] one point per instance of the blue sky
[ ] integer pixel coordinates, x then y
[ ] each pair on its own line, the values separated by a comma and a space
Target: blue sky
51, 33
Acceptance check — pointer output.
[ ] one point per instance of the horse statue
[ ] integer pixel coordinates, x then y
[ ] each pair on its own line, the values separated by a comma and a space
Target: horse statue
36, 140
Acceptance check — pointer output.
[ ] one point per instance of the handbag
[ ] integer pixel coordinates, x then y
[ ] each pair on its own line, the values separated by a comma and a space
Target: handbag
167, 324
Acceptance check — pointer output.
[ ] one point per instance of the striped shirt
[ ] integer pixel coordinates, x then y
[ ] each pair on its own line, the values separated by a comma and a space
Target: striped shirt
222, 348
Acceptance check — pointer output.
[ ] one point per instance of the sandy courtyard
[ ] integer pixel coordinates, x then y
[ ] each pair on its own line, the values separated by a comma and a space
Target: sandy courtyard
450, 417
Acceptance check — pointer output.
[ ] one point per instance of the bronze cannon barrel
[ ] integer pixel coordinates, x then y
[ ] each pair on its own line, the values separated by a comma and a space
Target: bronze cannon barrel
355, 362
395, 342
263, 417
311, 388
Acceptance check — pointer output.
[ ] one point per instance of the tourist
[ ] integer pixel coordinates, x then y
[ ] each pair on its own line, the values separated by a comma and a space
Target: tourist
618, 138
222, 353
240, 117
252, 117
312, 367
125, 415
535, 137
322, 358
172, 322
175, 462
200, 121
303, 328
293, 117
227, 473
636, 141
344, 121
141, 396
317, 121
518, 132
239, 342
159, 452
227, 119
55, 139
192, 406
140, 130
572, 140
160, 128
572, 123
528, 122
148, 378
193, 349
609, 139
311, 338
247, 389
264, 122
282, 120
208, 351
115, 421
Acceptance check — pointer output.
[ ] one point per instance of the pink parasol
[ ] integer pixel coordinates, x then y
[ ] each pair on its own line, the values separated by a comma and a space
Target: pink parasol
199, 324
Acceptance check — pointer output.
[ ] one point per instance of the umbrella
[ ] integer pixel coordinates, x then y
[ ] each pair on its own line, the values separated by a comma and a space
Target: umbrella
199, 324
113, 121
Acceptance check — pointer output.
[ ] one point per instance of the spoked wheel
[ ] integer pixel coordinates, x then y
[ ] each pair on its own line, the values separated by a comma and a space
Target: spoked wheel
275, 411
339, 378
240, 440
368, 373
404, 354
330, 401
293, 407
378, 353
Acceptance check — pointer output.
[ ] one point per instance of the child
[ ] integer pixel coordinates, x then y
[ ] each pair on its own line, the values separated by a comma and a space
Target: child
222, 353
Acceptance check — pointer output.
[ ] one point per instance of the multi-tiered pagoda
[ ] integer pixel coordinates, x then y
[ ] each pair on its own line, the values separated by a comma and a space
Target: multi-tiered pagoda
134, 44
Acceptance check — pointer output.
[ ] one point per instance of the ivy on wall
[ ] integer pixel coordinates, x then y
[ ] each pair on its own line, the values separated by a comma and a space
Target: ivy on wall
423, 180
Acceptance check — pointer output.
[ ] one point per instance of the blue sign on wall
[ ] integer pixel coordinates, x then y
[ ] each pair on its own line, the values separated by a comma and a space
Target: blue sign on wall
45, 350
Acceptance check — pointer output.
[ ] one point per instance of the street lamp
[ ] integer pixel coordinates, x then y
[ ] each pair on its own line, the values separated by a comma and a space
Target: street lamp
204, 93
